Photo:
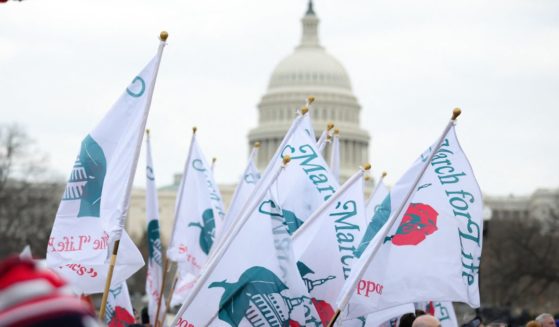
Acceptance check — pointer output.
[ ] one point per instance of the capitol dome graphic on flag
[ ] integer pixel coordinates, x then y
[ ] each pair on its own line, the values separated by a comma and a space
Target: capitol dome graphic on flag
87, 177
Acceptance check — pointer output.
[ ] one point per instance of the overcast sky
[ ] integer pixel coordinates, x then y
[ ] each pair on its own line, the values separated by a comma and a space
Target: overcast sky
64, 62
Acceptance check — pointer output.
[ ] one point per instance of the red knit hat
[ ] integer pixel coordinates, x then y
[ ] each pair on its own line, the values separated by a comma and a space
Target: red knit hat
34, 296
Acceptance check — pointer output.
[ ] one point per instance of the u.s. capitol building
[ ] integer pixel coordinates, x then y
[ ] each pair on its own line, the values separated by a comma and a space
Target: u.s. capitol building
309, 70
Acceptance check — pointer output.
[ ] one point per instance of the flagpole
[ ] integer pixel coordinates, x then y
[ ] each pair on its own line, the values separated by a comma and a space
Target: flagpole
334, 196
323, 144
163, 280
322, 137
172, 289
214, 159
163, 38
376, 186
212, 262
388, 225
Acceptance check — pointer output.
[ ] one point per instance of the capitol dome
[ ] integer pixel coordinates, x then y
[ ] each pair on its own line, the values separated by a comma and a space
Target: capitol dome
311, 70
310, 66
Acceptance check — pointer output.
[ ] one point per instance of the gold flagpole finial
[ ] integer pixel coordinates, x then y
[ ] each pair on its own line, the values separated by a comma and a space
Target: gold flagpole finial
384, 174
304, 110
330, 125
455, 113
286, 159
163, 36
367, 166
310, 99
337, 131
256, 144
367, 178
194, 129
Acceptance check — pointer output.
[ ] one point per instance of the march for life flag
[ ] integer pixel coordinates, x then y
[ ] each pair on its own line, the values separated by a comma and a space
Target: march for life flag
119, 308
199, 213
256, 282
334, 233
433, 250
154, 277
307, 181
96, 199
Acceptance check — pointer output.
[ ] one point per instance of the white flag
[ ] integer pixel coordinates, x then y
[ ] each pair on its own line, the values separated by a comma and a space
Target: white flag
256, 282
199, 213
96, 199
244, 190
433, 250
154, 276
332, 232
119, 310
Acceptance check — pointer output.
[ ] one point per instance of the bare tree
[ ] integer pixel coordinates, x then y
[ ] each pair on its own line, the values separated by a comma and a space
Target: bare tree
29, 194
520, 266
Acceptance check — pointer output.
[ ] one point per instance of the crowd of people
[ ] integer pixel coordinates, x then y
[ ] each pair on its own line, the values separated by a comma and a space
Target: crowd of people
32, 295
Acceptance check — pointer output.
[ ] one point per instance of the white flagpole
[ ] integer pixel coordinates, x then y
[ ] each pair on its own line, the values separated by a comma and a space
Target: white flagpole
214, 159
212, 262
324, 205
384, 231
163, 38
324, 134
376, 187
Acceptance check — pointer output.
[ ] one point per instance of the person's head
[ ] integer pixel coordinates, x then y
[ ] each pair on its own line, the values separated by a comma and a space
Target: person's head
533, 323
145, 316
407, 320
545, 320
426, 321
36, 296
